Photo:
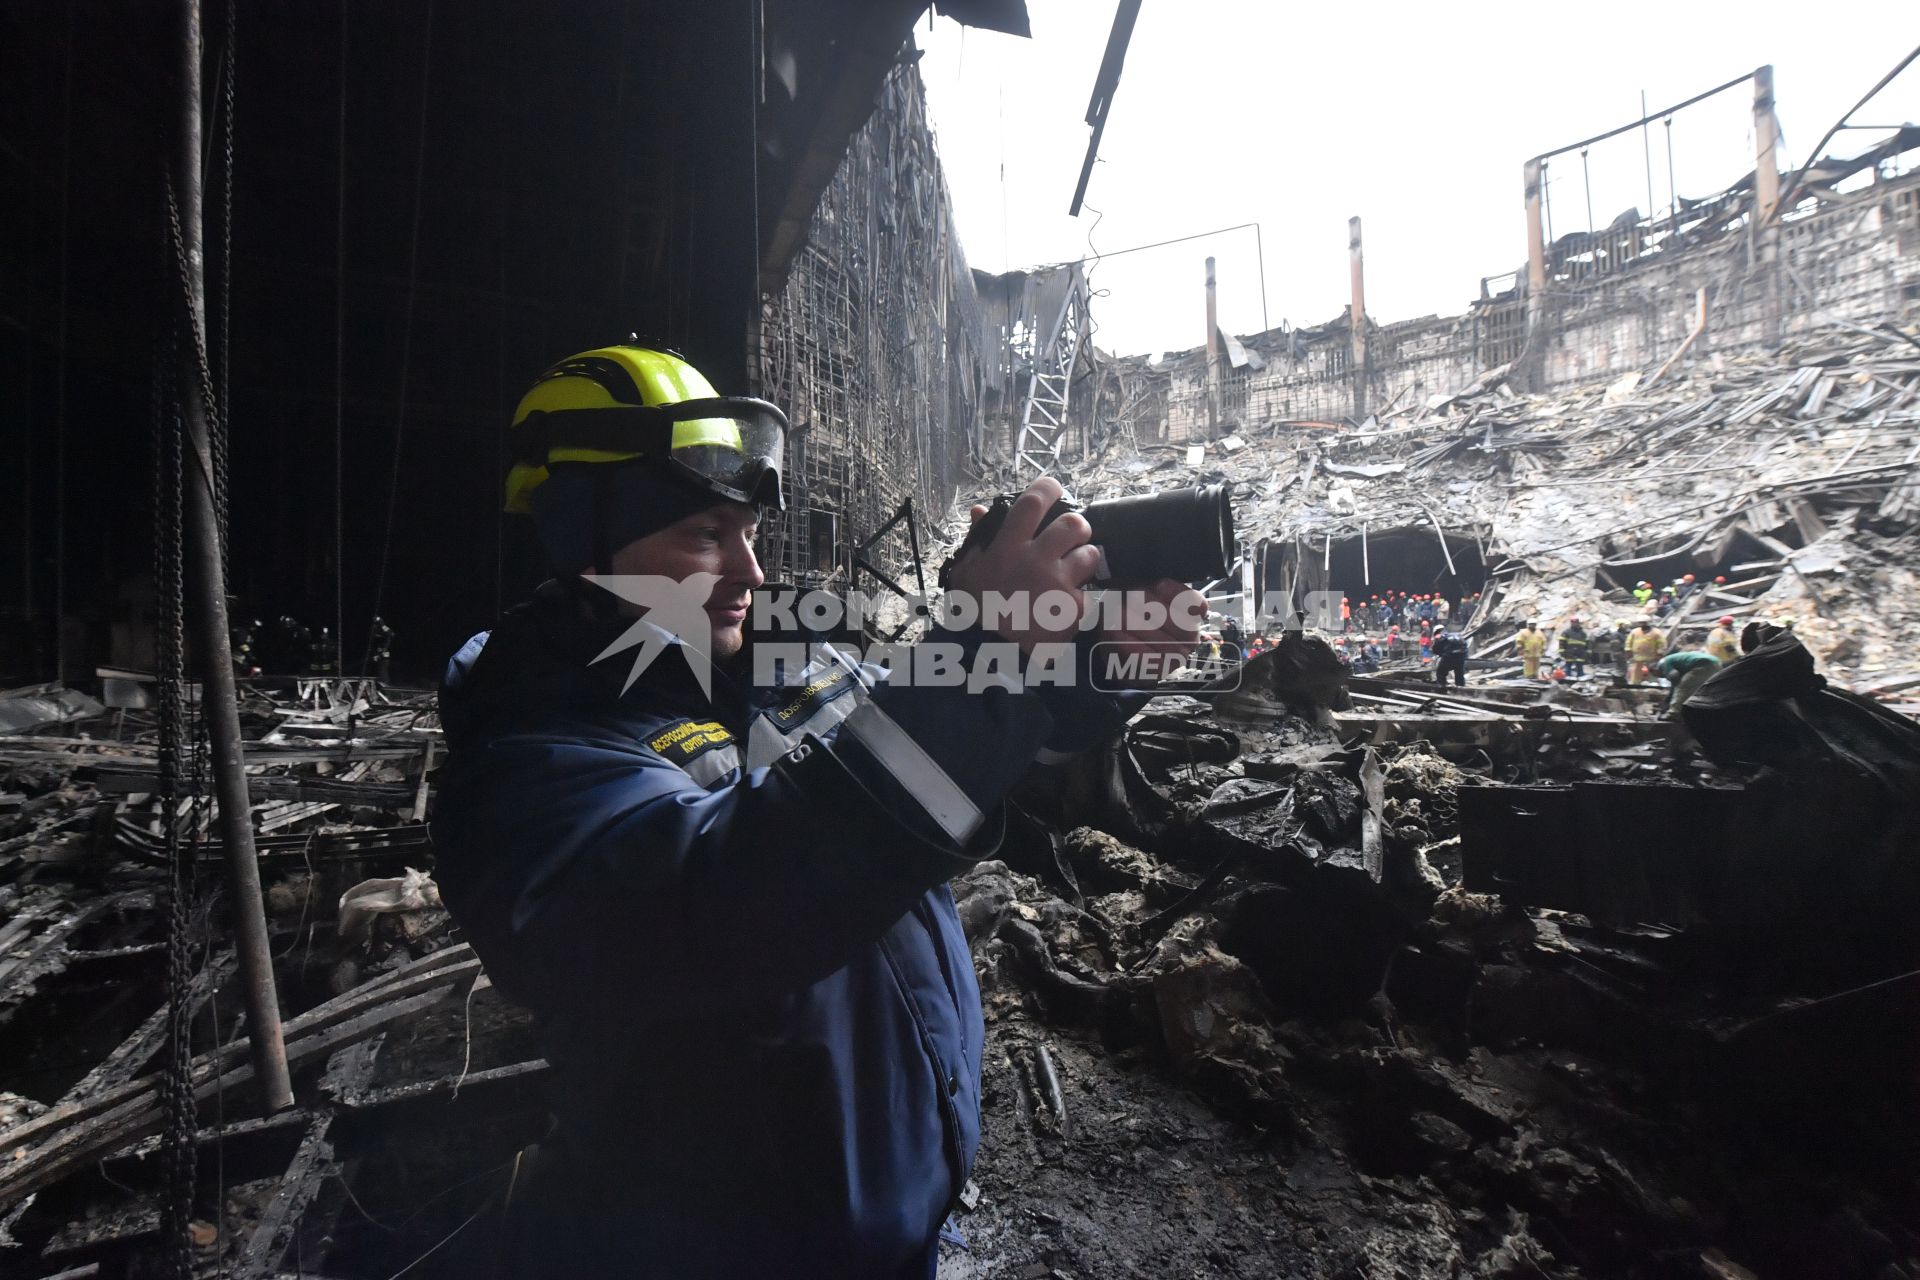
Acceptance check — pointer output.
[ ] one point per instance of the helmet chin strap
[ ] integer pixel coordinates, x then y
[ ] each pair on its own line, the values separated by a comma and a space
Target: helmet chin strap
596, 516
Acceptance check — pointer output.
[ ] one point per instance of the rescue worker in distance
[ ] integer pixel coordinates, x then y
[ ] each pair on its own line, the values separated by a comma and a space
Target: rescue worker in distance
1723, 642
1644, 648
1685, 670
1450, 653
1574, 647
1532, 643
727, 906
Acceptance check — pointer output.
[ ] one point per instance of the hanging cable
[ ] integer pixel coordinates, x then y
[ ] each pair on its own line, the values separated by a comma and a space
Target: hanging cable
406, 344
1586, 182
1673, 192
218, 424
170, 672
340, 362
60, 370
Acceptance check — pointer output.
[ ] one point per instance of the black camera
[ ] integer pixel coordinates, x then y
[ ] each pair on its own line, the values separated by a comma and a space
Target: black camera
1183, 534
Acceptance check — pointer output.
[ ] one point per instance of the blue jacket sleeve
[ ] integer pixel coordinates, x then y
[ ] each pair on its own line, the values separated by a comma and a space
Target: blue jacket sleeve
575, 857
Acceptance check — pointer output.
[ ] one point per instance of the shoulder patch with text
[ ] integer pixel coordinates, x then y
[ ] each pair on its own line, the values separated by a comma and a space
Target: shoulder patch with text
803, 701
684, 740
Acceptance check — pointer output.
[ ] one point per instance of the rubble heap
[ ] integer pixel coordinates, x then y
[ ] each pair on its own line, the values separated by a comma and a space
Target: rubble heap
1792, 475
1318, 975
1409, 1077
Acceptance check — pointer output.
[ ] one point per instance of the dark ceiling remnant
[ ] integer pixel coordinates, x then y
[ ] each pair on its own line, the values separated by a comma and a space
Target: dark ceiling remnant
824, 84
567, 198
1008, 16
1105, 83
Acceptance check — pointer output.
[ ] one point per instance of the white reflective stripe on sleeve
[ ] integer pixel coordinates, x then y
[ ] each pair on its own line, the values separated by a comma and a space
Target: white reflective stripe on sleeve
915, 770
830, 714
765, 744
713, 766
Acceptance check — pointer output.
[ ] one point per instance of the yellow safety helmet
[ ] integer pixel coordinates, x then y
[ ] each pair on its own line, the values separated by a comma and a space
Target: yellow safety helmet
617, 403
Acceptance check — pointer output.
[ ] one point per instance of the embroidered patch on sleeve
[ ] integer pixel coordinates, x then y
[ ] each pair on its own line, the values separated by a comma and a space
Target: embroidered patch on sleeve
810, 696
685, 740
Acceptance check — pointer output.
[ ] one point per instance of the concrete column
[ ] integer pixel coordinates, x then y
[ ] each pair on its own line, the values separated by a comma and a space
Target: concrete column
1213, 355
1536, 272
1766, 195
1357, 318
1766, 135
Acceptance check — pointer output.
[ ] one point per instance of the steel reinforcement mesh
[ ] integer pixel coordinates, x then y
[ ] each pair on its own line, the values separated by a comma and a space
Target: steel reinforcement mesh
868, 349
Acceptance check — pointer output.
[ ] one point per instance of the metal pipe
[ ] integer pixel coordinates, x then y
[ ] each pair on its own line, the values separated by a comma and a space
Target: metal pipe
1050, 1088
1646, 152
1260, 257
1357, 317
1442, 535
1673, 192
1213, 355
1366, 566
1693, 335
207, 612
1586, 184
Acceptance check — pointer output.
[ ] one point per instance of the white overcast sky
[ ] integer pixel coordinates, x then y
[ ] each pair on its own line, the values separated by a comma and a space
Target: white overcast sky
1417, 117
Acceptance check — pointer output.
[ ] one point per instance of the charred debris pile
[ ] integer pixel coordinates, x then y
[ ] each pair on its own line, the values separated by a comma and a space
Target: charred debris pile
1792, 475
1270, 991
1322, 974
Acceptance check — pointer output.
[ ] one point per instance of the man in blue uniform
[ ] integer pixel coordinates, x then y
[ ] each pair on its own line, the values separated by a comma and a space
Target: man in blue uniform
726, 901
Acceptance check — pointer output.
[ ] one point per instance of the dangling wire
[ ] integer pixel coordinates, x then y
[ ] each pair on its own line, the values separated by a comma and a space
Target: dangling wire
170, 675
218, 424
1673, 192
406, 345
340, 364
1593, 248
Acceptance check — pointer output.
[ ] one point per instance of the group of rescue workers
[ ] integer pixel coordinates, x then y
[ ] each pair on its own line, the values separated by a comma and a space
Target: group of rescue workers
1662, 601
1644, 649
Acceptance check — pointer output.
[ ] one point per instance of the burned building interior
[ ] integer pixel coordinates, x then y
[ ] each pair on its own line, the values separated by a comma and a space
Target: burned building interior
1323, 968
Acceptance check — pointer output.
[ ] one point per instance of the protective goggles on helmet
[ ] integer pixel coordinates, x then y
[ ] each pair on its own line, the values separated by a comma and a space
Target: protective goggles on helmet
729, 445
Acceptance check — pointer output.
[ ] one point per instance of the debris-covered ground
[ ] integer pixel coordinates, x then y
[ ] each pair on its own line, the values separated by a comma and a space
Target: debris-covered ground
1401, 1077
1323, 975
1244, 1019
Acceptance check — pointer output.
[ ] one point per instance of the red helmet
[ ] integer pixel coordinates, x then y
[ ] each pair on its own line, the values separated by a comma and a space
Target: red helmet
1721, 578
1727, 621
1686, 577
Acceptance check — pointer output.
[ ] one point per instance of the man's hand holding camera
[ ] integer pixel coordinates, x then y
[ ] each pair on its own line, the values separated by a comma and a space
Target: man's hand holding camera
1048, 568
